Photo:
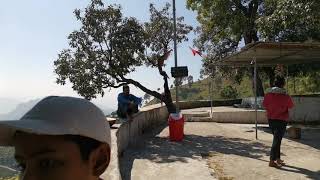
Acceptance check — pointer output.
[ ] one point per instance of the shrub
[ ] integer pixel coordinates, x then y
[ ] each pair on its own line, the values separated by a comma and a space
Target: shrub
229, 92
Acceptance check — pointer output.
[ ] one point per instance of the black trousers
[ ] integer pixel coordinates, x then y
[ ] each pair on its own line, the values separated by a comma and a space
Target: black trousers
131, 110
278, 128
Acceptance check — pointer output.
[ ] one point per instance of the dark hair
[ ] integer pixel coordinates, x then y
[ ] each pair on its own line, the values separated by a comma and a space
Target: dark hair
85, 144
125, 87
279, 81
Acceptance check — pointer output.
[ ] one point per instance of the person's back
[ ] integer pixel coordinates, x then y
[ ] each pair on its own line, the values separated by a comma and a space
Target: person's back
277, 104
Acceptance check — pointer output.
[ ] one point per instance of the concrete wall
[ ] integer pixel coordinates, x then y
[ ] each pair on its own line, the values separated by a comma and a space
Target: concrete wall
241, 117
129, 132
306, 110
206, 103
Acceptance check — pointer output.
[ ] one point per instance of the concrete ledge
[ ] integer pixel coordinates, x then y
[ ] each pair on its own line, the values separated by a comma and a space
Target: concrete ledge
206, 103
149, 117
242, 116
225, 114
128, 133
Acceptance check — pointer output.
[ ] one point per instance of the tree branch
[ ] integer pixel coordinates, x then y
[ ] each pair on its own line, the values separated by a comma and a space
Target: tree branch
140, 86
150, 61
239, 5
115, 86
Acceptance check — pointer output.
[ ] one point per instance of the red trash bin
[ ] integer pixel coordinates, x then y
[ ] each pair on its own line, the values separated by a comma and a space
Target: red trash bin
176, 125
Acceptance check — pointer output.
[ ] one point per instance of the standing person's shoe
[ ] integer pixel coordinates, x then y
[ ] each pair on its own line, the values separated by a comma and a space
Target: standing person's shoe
281, 162
274, 164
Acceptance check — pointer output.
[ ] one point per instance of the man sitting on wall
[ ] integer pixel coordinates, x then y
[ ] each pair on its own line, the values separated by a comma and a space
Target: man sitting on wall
127, 104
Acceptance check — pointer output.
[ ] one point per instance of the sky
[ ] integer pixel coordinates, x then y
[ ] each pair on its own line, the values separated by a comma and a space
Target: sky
33, 32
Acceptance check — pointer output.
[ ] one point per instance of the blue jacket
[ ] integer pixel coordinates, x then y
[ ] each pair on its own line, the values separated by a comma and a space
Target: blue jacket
124, 100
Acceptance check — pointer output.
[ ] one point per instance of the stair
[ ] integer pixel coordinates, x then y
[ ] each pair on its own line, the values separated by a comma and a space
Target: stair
196, 116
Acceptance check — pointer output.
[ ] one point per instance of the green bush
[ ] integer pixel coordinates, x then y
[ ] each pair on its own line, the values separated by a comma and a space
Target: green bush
229, 92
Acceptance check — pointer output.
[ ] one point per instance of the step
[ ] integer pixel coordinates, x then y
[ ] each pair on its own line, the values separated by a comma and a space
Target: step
199, 119
196, 114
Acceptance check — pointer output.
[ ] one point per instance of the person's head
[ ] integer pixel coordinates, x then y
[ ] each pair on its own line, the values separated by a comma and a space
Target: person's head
126, 89
279, 82
61, 138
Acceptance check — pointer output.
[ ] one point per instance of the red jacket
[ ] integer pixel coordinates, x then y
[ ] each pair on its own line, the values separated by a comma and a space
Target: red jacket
277, 105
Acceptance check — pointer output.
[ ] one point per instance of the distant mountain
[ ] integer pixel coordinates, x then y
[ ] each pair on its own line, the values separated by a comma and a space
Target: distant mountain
3, 116
22, 108
19, 111
105, 109
7, 105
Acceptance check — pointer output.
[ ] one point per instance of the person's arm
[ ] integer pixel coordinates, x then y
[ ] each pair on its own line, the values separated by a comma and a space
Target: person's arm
122, 99
136, 99
265, 101
290, 103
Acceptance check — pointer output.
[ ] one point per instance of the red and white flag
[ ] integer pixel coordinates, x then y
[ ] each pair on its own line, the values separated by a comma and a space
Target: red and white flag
195, 52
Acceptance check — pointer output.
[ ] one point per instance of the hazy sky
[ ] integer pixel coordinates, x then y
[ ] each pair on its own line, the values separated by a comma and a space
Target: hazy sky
33, 32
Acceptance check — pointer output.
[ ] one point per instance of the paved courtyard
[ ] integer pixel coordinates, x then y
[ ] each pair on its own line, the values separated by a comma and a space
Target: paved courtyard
221, 151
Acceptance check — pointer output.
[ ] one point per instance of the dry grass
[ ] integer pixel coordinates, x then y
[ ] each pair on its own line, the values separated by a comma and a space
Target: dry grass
215, 162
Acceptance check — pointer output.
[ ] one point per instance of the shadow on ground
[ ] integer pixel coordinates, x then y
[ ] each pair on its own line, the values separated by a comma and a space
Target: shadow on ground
309, 174
309, 136
161, 150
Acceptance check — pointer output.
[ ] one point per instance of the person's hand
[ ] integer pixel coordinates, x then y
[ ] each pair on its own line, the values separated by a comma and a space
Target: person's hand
129, 118
131, 104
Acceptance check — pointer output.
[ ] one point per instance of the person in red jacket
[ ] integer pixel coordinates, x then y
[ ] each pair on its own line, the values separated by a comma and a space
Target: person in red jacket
277, 104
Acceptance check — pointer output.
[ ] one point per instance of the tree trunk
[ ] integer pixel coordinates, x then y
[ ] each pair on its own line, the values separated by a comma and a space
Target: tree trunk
294, 85
166, 97
170, 106
260, 90
271, 75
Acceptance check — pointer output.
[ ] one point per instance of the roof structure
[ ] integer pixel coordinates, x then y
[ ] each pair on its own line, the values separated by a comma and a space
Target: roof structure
272, 53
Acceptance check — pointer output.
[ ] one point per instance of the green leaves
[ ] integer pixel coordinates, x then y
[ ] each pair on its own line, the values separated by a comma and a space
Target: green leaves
291, 20
225, 23
160, 34
108, 46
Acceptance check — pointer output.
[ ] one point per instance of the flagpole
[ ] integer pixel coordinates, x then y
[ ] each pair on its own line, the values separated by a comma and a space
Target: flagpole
175, 50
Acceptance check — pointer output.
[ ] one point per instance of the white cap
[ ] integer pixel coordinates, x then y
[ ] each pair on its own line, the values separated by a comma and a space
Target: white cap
56, 115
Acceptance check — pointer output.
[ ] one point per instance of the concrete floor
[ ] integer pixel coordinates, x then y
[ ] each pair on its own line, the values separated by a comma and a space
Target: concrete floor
221, 151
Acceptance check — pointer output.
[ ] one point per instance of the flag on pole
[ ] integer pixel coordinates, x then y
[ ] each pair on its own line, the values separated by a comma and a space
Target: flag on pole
195, 52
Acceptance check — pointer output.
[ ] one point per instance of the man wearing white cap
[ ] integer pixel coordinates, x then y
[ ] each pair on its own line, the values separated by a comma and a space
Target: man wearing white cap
60, 138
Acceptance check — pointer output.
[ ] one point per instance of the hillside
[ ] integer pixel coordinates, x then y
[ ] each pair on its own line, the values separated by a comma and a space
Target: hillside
227, 89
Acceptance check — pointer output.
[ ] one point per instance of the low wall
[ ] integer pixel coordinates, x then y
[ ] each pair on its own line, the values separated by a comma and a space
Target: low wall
306, 109
206, 103
149, 117
239, 115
